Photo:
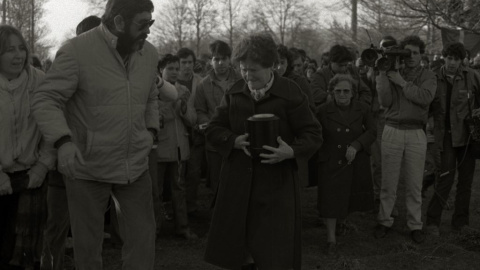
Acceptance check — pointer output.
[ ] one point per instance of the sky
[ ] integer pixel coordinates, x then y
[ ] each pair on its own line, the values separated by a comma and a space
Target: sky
62, 17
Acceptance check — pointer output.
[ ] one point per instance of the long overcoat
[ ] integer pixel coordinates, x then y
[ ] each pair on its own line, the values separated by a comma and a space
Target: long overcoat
258, 206
345, 187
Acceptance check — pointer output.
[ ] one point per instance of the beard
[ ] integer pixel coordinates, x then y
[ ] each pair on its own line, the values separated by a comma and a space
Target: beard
126, 44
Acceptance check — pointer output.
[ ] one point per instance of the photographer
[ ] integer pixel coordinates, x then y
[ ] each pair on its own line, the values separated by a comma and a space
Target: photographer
458, 86
406, 96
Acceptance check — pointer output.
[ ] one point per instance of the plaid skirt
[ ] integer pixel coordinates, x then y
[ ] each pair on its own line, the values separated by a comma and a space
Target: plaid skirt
22, 220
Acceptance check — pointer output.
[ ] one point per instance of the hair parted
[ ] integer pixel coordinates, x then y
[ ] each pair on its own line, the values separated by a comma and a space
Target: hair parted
259, 48
5, 32
414, 41
340, 54
167, 59
186, 52
455, 49
220, 48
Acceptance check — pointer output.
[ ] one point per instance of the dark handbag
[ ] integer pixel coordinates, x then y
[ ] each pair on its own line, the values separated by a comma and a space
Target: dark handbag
473, 127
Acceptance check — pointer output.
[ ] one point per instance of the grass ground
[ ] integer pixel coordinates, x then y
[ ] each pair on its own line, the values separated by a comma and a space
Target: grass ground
358, 249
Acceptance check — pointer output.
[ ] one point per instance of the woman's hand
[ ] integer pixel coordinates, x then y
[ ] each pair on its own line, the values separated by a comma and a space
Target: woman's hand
351, 153
242, 143
5, 186
284, 151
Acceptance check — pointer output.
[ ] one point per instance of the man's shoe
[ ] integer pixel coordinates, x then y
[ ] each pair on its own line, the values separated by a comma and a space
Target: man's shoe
433, 230
381, 231
331, 248
417, 236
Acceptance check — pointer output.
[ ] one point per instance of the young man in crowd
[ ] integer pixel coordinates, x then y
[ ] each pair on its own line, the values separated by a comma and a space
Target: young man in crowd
210, 92
406, 95
458, 92
191, 80
99, 105
340, 57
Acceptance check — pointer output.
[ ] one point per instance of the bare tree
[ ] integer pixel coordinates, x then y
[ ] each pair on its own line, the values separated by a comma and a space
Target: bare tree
203, 15
174, 24
231, 14
281, 18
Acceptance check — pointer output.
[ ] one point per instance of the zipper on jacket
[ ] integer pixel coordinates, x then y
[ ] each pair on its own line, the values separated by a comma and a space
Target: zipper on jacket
129, 130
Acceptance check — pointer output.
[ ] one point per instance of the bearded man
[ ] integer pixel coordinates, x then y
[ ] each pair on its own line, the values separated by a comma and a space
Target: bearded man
99, 105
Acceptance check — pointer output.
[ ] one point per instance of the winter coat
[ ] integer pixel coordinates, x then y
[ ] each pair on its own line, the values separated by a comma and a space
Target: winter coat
462, 93
108, 107
173, 136
321, 80
21, 143
346, 187
259, 203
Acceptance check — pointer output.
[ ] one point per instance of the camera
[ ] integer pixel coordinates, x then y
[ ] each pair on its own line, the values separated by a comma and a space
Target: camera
385, 60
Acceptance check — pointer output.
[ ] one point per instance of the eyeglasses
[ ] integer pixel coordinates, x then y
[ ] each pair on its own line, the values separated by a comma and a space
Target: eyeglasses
144, 25
342, 91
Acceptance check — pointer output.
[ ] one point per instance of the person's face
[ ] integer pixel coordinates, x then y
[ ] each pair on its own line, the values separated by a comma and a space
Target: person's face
451, 64
340, 68
297, 65
343, 93
414, 59
170, 72
186, 66
220, 64
12, 61
310, 72
282, 66
254, 74
136, 32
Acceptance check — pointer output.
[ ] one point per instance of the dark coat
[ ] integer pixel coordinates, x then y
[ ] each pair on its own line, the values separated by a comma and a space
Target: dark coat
345, 188
258, 205
462, 93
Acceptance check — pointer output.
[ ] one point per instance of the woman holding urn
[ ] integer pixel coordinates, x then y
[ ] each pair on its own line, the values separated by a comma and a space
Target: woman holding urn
256, 220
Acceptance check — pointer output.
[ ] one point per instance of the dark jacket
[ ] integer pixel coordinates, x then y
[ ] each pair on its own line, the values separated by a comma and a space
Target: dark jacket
458, 104
322, 77
304, 86
248, 187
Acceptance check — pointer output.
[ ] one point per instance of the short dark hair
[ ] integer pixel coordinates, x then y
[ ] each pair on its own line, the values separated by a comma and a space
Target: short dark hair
220, 48
455, 49
186, 52
414, 41
294, 54
167, 59
260, 48
5, 32
88, 23
284, 52
340, 54
125, 8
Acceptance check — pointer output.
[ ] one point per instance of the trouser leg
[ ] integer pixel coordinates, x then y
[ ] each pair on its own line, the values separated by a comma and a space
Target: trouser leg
193, 176
392, 156
136, 206
444, 182
414, 161
466, 171
176, 176
87, 202
58, 224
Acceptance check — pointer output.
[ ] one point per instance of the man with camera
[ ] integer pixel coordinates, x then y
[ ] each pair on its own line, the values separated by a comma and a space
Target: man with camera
406, 95
458, 90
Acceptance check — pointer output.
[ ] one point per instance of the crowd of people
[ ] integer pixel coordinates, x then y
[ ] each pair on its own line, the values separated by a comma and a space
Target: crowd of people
111, 125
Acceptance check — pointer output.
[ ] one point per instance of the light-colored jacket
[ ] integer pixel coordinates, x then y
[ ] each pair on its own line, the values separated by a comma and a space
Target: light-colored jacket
108, 107
407, 107
174, 135
21, 143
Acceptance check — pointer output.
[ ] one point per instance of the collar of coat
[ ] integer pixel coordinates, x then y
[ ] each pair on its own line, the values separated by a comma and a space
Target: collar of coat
110, 38
280, 87
460, 75
334, 113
